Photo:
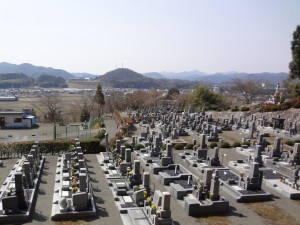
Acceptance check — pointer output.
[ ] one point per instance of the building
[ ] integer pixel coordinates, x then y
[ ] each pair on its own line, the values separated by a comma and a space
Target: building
13, 119
8, 98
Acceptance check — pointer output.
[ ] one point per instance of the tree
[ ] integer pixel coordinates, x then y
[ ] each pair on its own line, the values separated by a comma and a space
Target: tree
135, 100
295, 63
99, 98
85, 115
183, 100
172, 93
114, 101
86, 104
295, 90
52, 103
248, 90
203, 97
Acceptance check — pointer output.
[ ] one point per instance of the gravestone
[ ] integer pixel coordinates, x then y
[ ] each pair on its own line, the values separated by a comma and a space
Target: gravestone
136, 177
80, 156
80, 201
254, 180
261, 139
146, 180
215, 161
118, 146
163, 215
10, 203
28, 175
20, 190
82, 182
207, 176
106, 142
252, 128
138, 197
167, 160
128, 155
215, 187
81, 163
296, 153
202, 141
258, 152
123, 148
157, 198
276, 151
68, 156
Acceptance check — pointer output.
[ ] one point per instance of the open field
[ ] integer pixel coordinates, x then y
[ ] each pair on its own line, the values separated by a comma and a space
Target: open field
69, 106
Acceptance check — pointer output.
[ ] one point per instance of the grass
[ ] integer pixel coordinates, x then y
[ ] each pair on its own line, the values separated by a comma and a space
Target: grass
213, 220
273, 214
78, 222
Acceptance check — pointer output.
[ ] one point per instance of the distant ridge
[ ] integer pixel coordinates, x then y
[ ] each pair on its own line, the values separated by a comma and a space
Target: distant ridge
33, 71
226, 77
126, 78
155, 75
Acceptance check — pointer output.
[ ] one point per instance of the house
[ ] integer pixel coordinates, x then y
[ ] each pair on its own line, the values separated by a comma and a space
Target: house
14, 119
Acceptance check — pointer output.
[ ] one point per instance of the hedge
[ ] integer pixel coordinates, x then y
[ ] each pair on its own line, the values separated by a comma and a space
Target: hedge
139, 146
213, 144
53, 147
236, 144
178, 147
225, 144
189, 146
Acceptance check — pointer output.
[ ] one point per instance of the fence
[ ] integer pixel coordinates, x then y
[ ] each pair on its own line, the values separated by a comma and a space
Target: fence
72, 131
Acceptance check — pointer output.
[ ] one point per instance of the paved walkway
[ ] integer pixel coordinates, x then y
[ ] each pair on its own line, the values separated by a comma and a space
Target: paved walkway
107, 213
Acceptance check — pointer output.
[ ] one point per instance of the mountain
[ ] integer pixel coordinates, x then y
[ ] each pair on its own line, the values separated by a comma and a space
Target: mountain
226, 77
125, 78
33, 71
84, 75
186, 75
154, 75
220, 78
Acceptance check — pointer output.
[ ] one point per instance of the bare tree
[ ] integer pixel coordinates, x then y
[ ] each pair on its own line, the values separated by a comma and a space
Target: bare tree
247, 90
114, 101
135, 100
53, 105
183, 100
87, 107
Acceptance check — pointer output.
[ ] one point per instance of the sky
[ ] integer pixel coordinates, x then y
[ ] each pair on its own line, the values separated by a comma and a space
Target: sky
98, 36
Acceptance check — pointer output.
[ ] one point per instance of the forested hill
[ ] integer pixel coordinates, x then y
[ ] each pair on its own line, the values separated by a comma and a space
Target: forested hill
19, 80
51, 81
126, 78
15, 80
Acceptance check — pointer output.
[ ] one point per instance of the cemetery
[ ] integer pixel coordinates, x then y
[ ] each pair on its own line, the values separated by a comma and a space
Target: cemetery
19, 190
195, 178
135, 200
73, 192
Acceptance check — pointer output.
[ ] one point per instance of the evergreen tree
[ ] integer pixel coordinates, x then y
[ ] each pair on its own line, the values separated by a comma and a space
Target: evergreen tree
85, 115
295, 63
99, 98
172, 93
